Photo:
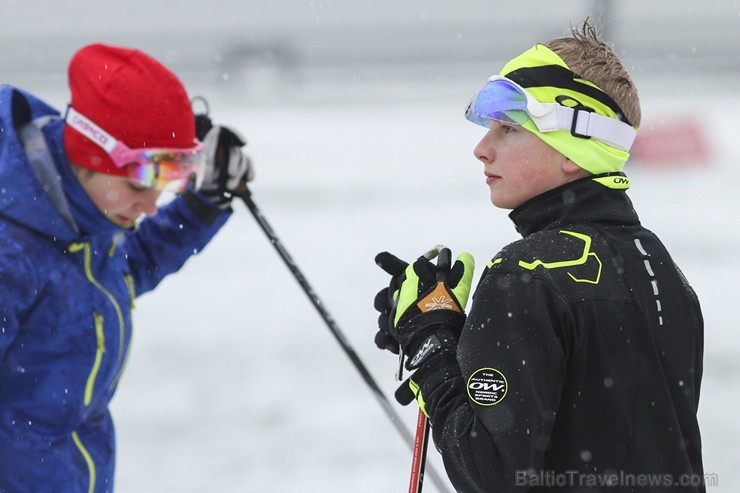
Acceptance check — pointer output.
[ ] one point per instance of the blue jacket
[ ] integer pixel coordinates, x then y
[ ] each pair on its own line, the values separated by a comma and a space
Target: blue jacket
68, 277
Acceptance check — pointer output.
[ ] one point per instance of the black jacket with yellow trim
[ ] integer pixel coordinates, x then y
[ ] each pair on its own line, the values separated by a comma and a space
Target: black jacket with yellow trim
581, 358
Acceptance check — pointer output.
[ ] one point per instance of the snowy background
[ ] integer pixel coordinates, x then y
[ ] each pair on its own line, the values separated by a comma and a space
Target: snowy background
358, 137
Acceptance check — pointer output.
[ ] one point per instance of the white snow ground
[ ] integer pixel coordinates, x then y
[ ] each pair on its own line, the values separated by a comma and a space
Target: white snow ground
235, 384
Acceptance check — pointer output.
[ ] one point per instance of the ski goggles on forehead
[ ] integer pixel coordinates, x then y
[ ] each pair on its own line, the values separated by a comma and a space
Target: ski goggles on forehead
505, 101
161, 168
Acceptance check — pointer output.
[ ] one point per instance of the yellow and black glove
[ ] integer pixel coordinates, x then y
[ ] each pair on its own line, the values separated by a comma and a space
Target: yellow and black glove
422, 311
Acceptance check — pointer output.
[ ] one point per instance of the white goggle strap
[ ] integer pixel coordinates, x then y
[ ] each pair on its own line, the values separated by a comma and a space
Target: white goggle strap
89, 129
587, 124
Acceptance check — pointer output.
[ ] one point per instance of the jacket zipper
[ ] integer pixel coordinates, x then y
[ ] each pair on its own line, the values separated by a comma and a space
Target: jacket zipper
100, 338
88, 459
131, 289
85, 247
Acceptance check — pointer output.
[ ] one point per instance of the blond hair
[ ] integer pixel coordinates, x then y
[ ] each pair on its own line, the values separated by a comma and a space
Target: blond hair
591, 58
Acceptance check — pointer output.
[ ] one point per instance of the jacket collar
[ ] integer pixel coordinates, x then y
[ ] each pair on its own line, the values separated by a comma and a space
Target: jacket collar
25, 198
580, 201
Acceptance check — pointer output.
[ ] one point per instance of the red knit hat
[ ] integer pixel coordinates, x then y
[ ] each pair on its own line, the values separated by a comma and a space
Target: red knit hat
131, 96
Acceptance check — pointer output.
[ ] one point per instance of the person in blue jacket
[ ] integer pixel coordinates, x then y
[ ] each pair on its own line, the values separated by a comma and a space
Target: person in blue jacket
76, 249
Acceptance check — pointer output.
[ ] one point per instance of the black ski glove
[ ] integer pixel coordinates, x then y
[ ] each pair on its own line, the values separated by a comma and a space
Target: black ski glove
386, 338
226, 169
422, 311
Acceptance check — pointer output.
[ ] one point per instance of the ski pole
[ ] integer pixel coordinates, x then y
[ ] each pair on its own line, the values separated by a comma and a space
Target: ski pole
421, 441
246, 196
418, 462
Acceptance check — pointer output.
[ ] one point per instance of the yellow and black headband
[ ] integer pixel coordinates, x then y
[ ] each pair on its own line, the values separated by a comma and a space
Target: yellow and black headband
538, 91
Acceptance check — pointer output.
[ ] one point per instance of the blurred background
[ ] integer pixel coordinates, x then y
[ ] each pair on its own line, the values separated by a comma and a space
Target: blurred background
290, 49
353, 111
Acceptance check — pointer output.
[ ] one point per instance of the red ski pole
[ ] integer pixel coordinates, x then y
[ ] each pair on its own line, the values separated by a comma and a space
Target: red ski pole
421, 440
419, 459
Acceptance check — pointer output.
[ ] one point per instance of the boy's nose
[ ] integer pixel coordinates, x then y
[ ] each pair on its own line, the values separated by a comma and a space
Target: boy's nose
148, 202
484, 151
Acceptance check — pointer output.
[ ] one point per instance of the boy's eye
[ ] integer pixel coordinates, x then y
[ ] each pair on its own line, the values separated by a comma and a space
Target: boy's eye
136, 186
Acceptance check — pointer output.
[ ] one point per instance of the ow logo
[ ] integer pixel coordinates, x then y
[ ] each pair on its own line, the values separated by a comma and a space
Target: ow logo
616, 182
487, 387
495, 387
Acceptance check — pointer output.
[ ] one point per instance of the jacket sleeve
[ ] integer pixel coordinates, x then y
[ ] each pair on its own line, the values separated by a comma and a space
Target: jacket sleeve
163, 243
492, 407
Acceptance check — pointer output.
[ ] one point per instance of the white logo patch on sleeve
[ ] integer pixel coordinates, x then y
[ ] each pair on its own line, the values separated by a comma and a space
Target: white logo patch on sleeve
487, 387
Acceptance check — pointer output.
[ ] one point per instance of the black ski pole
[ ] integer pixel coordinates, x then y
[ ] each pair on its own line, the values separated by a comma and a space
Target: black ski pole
246, 196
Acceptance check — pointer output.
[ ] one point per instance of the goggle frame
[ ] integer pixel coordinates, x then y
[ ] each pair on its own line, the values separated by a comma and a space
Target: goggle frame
162, 168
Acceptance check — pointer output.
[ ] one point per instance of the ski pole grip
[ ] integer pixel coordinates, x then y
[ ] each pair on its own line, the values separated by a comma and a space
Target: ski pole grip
444, 260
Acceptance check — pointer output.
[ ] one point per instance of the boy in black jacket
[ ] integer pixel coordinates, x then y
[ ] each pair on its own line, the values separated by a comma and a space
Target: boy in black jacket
579, 363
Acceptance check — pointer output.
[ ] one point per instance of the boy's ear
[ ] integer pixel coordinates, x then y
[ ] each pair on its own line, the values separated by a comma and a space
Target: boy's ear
571, 168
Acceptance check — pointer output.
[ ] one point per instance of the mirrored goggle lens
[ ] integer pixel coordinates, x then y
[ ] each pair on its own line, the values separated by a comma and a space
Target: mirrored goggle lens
166, 170
499, 100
